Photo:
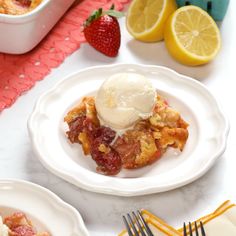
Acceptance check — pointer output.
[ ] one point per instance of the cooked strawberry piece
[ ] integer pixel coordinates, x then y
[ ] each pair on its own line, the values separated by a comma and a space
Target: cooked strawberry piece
75, 128
24, 3
108, 160
108, 163
137, 148
102, 133
128, 150
105, 135
23, 230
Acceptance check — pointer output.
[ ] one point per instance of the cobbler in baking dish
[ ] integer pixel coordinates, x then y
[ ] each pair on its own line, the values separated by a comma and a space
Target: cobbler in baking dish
127, 125
18, 7
18, 224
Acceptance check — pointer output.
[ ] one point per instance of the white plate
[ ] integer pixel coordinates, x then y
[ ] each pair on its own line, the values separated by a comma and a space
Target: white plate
207, 133
46, 211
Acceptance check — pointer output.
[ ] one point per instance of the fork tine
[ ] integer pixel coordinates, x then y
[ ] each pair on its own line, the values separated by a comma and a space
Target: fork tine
202, 229
196, 229
127, 226
148, 230
132, 225
185, 230
190, 229
140, 227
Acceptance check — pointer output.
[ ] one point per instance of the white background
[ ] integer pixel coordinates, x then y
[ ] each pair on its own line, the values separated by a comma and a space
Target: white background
101, 213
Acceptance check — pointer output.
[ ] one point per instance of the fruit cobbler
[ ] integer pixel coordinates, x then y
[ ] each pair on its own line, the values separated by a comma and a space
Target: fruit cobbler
18, 224
138, 146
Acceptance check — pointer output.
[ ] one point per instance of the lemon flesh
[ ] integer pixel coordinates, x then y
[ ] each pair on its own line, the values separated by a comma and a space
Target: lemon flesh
192, 36
146, 18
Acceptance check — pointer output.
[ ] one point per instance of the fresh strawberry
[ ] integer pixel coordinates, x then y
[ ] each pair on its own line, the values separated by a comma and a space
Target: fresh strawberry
102, 31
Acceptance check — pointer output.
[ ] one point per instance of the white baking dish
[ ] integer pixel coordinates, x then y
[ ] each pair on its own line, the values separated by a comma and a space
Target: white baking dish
21, 33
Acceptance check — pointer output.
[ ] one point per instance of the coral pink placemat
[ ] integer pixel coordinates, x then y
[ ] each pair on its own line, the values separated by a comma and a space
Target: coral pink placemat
19, 73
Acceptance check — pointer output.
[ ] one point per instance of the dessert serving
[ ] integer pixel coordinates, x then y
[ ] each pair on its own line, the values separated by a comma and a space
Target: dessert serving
126, 125
76, 99
18, 7
28, 209
18, 224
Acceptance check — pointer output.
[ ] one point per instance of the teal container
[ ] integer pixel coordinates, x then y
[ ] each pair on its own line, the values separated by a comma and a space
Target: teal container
216, 8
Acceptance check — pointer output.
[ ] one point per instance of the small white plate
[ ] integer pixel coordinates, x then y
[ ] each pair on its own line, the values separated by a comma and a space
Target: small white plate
207, 133
46, 210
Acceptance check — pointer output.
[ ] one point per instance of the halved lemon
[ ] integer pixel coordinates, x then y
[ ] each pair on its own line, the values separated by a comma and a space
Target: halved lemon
192, 36
146, 18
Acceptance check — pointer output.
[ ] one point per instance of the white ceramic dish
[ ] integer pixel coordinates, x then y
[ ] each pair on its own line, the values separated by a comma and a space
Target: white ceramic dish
46, 211
207, 133
21, 33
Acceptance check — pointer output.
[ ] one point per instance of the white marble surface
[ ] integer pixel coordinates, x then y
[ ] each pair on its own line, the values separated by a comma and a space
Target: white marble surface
101, 213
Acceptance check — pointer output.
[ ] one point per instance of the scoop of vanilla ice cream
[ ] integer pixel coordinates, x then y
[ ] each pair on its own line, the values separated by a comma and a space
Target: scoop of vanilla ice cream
3, 228
124, 98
